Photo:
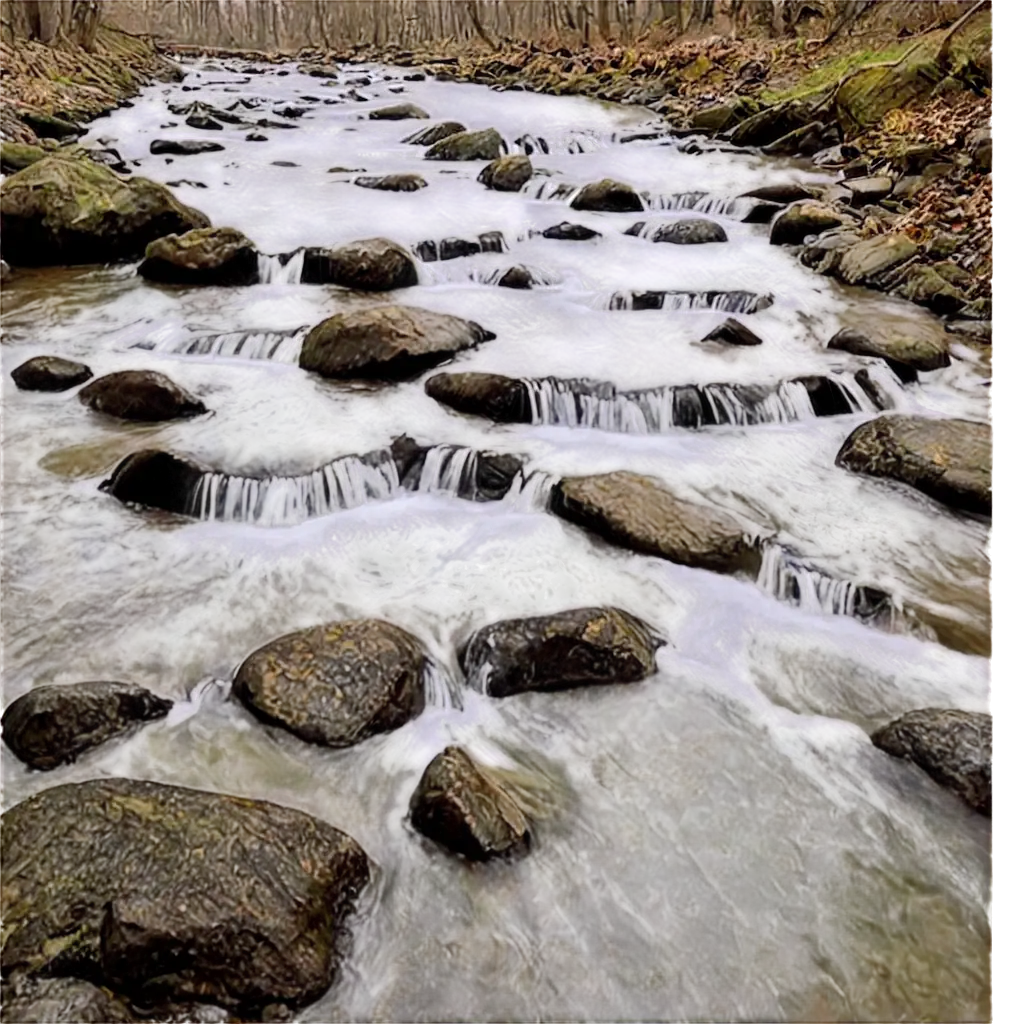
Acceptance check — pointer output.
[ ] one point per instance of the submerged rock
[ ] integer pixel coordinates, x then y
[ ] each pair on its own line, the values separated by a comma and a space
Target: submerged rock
168, 895
798, 221
399, 112
507, 173
50, 373
336, 684
637, 513
517, 277
72, 211
386, 342
221, 256
582, 647
570, 232
949, 460
458, 806
905, 348
393, 182
435, 133
953, 747
502, 399
732, 332
155, 479
183, 147
52, 725
608, 196
140, 395
371, 265
482, 145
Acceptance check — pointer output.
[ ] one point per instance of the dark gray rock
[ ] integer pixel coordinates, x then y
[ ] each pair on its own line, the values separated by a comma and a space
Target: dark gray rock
784, 193
370, 265
393, 182
50, 373
798, 221
435, 133
502, 399
570, 232
140, 395
732, 332
689, 232
399, 112
517, 277
183, 147
155, 479
204, 122
607, 196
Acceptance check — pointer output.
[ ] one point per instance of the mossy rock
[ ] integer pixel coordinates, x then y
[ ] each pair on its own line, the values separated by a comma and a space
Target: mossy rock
68, 211
221, 256
869, 94
482, 145
16, 156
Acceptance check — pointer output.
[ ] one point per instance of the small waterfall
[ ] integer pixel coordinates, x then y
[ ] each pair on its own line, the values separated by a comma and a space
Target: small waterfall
279, 346
439, 689
448, 469
431, 250
530, 492
571, 142
583, 404
541, 278
700, 202
283, 269
286, 500
725, 302
549, 189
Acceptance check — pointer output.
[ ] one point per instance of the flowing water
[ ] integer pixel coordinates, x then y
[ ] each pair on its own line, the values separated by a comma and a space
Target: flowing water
719, 841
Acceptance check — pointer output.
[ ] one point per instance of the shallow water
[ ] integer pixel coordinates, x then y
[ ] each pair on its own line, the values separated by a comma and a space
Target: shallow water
719, 841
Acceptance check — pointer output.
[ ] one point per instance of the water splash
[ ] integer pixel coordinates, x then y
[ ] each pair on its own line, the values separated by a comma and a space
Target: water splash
283, 269
440, 690
700, 202
278, 346
725, 302
448, 469
530, 492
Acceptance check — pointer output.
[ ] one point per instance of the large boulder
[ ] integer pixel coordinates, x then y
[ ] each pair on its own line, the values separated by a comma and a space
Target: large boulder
205, 256
867, 260
336, 684
155, 479
52, 725
927, 287
399, 112
869, 94
798, 221
435, 133
482, 145
607, 196
392, 182
56, 1000
371, 265
507, 173
386, 342
171, 896
72, 211
949, 460
637, 513
50, 373
953, 747
460, 807
695, 231
502, 399
721, 116
582, 647
16, 156
140, 395
906, 347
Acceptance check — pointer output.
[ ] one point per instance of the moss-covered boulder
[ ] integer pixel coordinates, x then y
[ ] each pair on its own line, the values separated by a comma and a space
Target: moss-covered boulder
870, 93
766, 126
482, 145
502, 399
801, 219
52, 725
386, 342
16, 156
392, 182
460, 807
581, 647
435, 133
866, 261
71, 211
172, 896
221, 256
721, 116
906, 347
926, 286
143, 395
370, 265
638, 513
50, 373
336, 684
607, 196
155, 479
953, 747
507, 173
399, 112
949, 460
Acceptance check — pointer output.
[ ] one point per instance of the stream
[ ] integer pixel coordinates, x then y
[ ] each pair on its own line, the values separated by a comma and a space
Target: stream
719, 841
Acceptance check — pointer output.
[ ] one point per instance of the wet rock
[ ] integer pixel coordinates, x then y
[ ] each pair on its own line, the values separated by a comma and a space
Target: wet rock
953, 747
255, 137
607, 196
155, 479
722, 116
762, 213
804, 141
950, 460
48, 126
393, 183
582, 647
767, 126
502, 399
979, 146
507, 173
435, 133
386, 343
5, 270
517, 277
732, 332
827, 249
50, 373
336, 684
265, 122
168, 895
16, 156
52, 725
204, 122
62, 999
906, 348
72, 211
462, 809
371, 265
291, 111
690, 232
399, 112
794, 224
183, 147
868, 190
318, 70
487, 476
927, 287
785, 193
570, 232
482, 145
221, 256
872, 257
283, 163
976, 330
415, 76
637, 513
140, 395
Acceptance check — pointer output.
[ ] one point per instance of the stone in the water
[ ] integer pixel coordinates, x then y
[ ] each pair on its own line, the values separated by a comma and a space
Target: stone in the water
318, 70
785, 193
292, 111
516, 277
183, 147
143, 395
502, 399
926, 286
608, 196
950, 460
386, 343
798, 221
370, 265
906, 348
255, 137
50, 373
582, 647
953, 747
570, 232
171, 896
222, 256
732, 332
336, 684
482, 145
435, 133
155, 479
204, 122
63, 210
638, 513
507, 173
872, 257
868, 190
52, 725
690, 232
398, 112
393, 182
461, 808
